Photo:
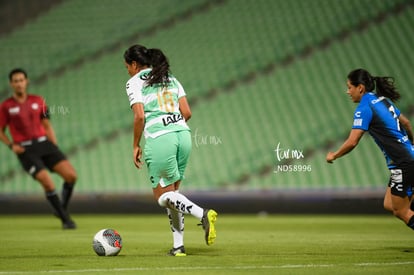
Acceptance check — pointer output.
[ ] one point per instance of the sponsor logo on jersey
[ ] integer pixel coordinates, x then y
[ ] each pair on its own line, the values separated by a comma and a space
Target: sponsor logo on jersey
14, 110
375, 101
358, 122
35, 106
174, 118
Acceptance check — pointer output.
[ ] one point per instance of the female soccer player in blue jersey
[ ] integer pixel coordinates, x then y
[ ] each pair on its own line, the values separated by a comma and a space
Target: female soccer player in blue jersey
391, 130
161, 111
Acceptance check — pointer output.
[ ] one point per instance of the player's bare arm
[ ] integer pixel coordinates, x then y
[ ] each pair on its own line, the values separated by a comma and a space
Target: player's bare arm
50, 132
184, 108
349, 144
405, 123
16, 148
139, 123
4, 138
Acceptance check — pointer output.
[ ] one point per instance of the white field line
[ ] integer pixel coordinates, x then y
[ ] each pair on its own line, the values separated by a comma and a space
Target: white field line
195, 268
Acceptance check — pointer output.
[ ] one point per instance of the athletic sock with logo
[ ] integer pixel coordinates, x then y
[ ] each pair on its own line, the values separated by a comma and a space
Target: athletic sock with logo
66, 193
180, 203
177, 227
54, 200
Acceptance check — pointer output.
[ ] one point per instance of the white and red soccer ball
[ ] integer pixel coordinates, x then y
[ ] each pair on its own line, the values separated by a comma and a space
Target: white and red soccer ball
107, 242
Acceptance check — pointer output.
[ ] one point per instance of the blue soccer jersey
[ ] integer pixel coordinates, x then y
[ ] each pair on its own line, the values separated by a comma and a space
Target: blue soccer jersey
379, 116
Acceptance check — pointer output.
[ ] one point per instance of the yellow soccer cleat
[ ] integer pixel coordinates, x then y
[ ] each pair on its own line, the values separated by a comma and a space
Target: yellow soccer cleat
177, 252
208, 221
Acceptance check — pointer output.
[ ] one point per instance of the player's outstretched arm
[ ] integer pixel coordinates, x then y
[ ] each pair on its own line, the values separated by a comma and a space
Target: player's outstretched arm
349, 144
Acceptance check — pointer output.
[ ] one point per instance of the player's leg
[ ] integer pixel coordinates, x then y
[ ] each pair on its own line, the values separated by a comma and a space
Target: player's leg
65, 169
161, 159
401, 209
209, 215
176, 201
173, 165
32, 163
400, 194
177, 229
44, 178
164, 153
168, 197
156, 152
411, 222
387, 200
57, 162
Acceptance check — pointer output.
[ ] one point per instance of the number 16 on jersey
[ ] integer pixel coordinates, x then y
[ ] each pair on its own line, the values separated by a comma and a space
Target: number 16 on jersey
166, 101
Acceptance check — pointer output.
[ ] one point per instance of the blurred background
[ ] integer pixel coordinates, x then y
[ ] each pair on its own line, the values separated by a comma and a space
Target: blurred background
266, 80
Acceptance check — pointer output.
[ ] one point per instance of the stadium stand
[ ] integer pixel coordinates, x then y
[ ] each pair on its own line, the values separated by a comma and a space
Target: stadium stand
257, 73
74, 30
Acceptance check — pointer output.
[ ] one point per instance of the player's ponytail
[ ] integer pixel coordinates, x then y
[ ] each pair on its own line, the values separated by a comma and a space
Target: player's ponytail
160, 67
383, 86
386, 88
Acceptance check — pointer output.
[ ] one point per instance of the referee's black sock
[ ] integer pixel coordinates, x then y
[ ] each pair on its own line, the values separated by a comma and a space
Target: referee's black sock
410, 223
66, 193
54, 200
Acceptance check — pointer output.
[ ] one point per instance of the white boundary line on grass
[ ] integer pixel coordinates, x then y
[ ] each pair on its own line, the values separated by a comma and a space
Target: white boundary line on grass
286, 266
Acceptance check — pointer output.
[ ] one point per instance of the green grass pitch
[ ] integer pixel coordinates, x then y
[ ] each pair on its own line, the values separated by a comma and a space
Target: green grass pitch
245, 244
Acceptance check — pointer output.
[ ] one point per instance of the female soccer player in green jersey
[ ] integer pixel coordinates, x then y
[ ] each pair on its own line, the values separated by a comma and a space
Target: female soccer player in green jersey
161, 110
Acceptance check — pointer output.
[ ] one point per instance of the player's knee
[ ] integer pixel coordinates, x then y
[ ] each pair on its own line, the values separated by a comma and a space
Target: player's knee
163, 199
70, 177
399, 213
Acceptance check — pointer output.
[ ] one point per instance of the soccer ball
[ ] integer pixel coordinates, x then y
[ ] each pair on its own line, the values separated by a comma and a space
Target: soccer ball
107, 242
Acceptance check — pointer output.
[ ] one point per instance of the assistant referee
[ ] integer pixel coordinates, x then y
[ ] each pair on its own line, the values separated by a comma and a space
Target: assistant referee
34, 143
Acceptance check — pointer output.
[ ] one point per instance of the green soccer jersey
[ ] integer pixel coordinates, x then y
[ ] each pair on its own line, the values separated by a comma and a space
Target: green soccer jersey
162, 113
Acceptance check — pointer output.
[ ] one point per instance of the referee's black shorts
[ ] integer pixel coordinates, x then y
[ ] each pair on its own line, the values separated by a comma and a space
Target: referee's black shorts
40, 155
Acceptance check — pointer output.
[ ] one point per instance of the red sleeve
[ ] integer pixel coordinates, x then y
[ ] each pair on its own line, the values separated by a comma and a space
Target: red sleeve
4, 116
43, 106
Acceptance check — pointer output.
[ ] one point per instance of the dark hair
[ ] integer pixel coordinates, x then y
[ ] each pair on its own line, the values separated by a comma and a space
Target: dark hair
384, 84
16, 71
154, 58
